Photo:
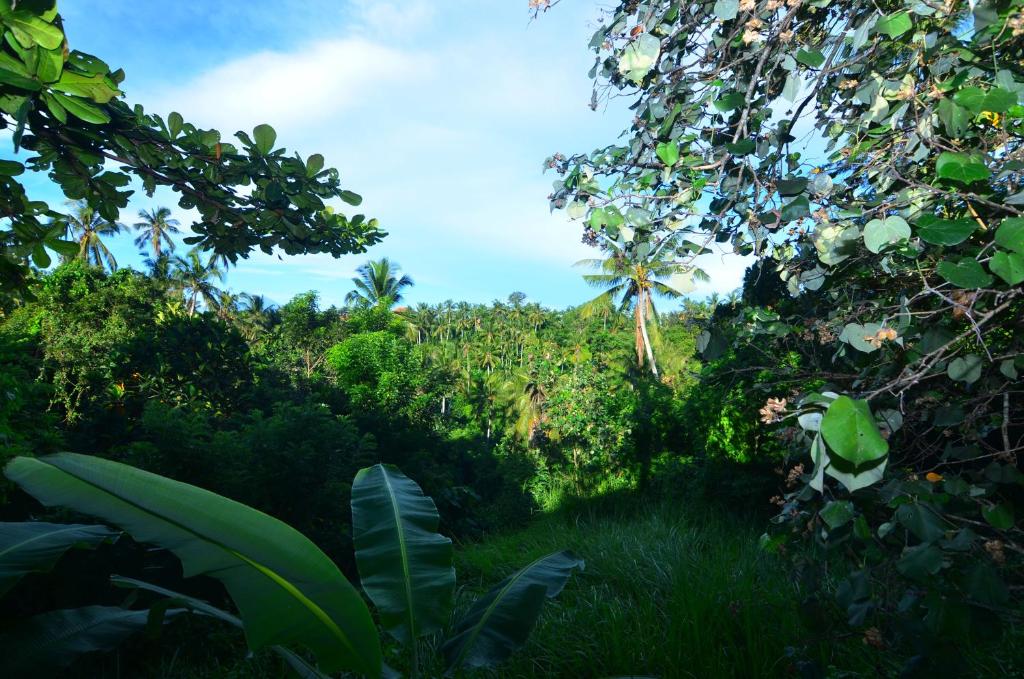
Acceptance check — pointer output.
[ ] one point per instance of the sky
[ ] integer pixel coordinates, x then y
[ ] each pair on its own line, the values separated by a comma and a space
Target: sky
439, 113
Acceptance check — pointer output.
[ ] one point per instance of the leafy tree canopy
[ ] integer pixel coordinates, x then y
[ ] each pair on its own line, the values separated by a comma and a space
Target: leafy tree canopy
67, 115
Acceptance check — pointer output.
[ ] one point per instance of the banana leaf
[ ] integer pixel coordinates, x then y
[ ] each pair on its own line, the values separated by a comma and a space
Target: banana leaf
286, 589
194, 605
404, 565
501, 621
35, 546
50, 641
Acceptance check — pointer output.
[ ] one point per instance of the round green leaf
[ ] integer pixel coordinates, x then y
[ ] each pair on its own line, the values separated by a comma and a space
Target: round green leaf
996, 100
1009, 266
850, 431
1010, 234
945, 231
668, 152
961, 167
999, 517
730, 101
264, 136
894, 25
639, 57
879, 233
965, 369
967, 273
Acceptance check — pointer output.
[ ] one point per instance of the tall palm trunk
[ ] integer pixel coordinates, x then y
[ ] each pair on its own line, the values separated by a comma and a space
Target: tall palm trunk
642, 322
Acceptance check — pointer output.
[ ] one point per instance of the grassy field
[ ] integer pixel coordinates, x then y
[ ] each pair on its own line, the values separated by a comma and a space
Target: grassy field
667, 592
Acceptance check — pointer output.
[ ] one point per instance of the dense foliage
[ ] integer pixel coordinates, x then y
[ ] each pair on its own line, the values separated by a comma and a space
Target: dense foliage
869, 155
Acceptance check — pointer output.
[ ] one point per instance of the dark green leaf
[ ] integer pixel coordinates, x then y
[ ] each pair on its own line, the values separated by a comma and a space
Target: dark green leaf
288, 591
350, 197
837, 513
996, 100
999, 517
967, 273
730, 101
919, 562
82, 109
405, 566
922, 521
50, 641
35, 546
1009, 266
501, 620
945, 231
798, 208
812, 58
742, 147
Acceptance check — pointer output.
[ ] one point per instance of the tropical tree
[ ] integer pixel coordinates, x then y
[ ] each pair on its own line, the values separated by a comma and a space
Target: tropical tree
88, 228
155, 229
197, 280
634, 273
379, 282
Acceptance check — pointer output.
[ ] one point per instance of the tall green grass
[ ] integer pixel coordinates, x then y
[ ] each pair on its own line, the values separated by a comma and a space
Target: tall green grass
669, 591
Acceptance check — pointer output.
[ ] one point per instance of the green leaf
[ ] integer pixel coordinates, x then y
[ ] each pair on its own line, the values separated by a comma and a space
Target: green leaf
50, 66
286, 589
46, 643
967, 273
639, 57
879, 233
82, 109
314, 164
837, 513
945, 231
726, 10
861, 337
95, 87
404, 565
922, 521
954, 118
264, 136
730, 101
500, 621
668, 152
985, 587
30, 30
894, 25
10, 168
791, 88
174, 124
350, 197
35, 546
850, 431
965, 368
1010, 234
999, 517
919, 562
798, 208
996, 100
742, 147
1009, 266
812, 58
961, 167
792, 187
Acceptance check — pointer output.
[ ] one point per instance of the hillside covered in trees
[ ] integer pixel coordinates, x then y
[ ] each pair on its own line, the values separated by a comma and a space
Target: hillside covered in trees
816, 475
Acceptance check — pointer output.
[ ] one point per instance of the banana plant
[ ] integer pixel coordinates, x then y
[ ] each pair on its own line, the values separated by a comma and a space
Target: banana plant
286, 590
406, 570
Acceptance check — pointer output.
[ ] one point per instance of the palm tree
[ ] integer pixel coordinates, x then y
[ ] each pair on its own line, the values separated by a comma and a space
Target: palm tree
197, 280
379, 282
156, 228
633, 273
86, 226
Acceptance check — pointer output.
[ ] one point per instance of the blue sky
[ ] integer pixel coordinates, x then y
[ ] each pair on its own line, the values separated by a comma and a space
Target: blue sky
438, 112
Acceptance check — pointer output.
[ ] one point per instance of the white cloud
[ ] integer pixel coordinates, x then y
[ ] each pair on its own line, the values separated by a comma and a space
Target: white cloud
389, 18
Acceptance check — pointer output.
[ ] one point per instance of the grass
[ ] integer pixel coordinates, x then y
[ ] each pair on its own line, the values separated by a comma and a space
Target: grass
668, 591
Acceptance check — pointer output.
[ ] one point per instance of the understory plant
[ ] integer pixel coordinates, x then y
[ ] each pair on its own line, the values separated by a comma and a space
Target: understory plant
290, 596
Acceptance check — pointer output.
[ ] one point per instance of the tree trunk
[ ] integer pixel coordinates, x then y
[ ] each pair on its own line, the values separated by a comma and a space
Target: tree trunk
647, 340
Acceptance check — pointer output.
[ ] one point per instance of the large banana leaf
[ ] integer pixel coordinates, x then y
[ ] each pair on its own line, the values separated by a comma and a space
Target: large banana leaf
194, 605
501, 621
287, 590
404, 565
39, 646
35, 546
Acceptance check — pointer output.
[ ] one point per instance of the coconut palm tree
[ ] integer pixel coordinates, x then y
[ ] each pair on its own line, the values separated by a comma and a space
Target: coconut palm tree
156, 227
379, 282
197, 280
88, 227
634, 274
